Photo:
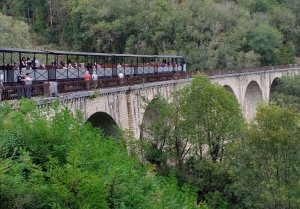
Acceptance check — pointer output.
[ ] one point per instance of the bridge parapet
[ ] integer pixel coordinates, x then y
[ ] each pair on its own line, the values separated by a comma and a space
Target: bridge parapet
251, 87
124, 105
249, 70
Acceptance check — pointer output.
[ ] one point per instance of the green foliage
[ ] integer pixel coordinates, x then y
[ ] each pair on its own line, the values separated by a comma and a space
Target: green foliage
286, 55
210, 180
266, 41
211, 33
266, 162
190, 133
50, 159
159, 132
96, 94
287, 92
212, 116
262, 6
14, 33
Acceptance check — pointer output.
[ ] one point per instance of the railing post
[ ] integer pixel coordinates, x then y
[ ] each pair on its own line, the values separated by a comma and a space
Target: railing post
46, 89
130, 81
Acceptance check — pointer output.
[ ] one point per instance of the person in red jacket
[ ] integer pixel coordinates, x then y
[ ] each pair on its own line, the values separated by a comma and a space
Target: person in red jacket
87, 79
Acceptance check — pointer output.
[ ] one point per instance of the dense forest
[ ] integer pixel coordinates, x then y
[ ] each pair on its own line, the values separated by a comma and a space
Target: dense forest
212, 34
58, 162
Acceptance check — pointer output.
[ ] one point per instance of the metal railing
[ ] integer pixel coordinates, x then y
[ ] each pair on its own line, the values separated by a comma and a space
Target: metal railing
17, 92
247, 70
13, 92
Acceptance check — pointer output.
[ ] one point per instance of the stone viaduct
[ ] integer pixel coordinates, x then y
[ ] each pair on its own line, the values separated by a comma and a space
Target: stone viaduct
124, 107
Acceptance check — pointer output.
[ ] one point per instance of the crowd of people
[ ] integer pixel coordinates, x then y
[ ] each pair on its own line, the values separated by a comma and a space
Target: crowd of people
88, 78
27, 64
94, 78
27, 81
34, 63
24, 82
95, 65
24, 86
24, 64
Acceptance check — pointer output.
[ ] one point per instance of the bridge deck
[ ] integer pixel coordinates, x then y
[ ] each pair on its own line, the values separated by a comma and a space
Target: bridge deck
50, 89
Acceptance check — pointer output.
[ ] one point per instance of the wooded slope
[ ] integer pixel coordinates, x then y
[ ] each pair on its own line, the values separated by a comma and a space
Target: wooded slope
210, 33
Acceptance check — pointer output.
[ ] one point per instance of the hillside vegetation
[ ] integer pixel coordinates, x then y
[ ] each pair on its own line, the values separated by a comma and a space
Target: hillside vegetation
58, 162
212, 34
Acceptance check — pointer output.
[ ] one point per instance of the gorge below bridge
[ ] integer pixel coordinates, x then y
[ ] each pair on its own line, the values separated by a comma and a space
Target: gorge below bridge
123, 106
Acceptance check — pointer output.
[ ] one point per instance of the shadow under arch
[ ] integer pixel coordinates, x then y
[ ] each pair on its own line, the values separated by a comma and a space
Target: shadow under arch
153, 131
229, 89
253, 95
105, 122
274, 84
150, 114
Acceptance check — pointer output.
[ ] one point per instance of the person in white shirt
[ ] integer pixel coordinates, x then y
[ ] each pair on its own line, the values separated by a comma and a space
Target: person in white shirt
121, 76
95, 79
35, 63
28, 82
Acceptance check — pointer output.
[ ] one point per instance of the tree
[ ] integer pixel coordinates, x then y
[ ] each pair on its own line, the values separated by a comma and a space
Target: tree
266, 41
287, 92
285, 21
191, 131
165, 133
14, 33
266, 161
214, 122
212, 115
261, 6
54, 160
211, 34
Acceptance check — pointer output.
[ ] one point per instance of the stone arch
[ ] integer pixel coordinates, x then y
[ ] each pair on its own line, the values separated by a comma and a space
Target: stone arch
153, 146
151, 95
148, 118
273, 86
230, 90
106, 122
253, 95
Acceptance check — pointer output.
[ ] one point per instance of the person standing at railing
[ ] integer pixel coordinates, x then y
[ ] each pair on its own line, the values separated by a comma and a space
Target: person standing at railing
35, 63
15, 66
23, 64
87, 79
28, 82
28, 63
1, 88
95, 79
121, 77
20, 85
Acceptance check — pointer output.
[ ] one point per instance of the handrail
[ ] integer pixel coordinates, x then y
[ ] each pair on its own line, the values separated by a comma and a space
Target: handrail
247, 70
13, 92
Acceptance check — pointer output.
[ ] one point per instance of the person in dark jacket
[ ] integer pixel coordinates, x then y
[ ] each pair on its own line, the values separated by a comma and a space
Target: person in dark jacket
20, 85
